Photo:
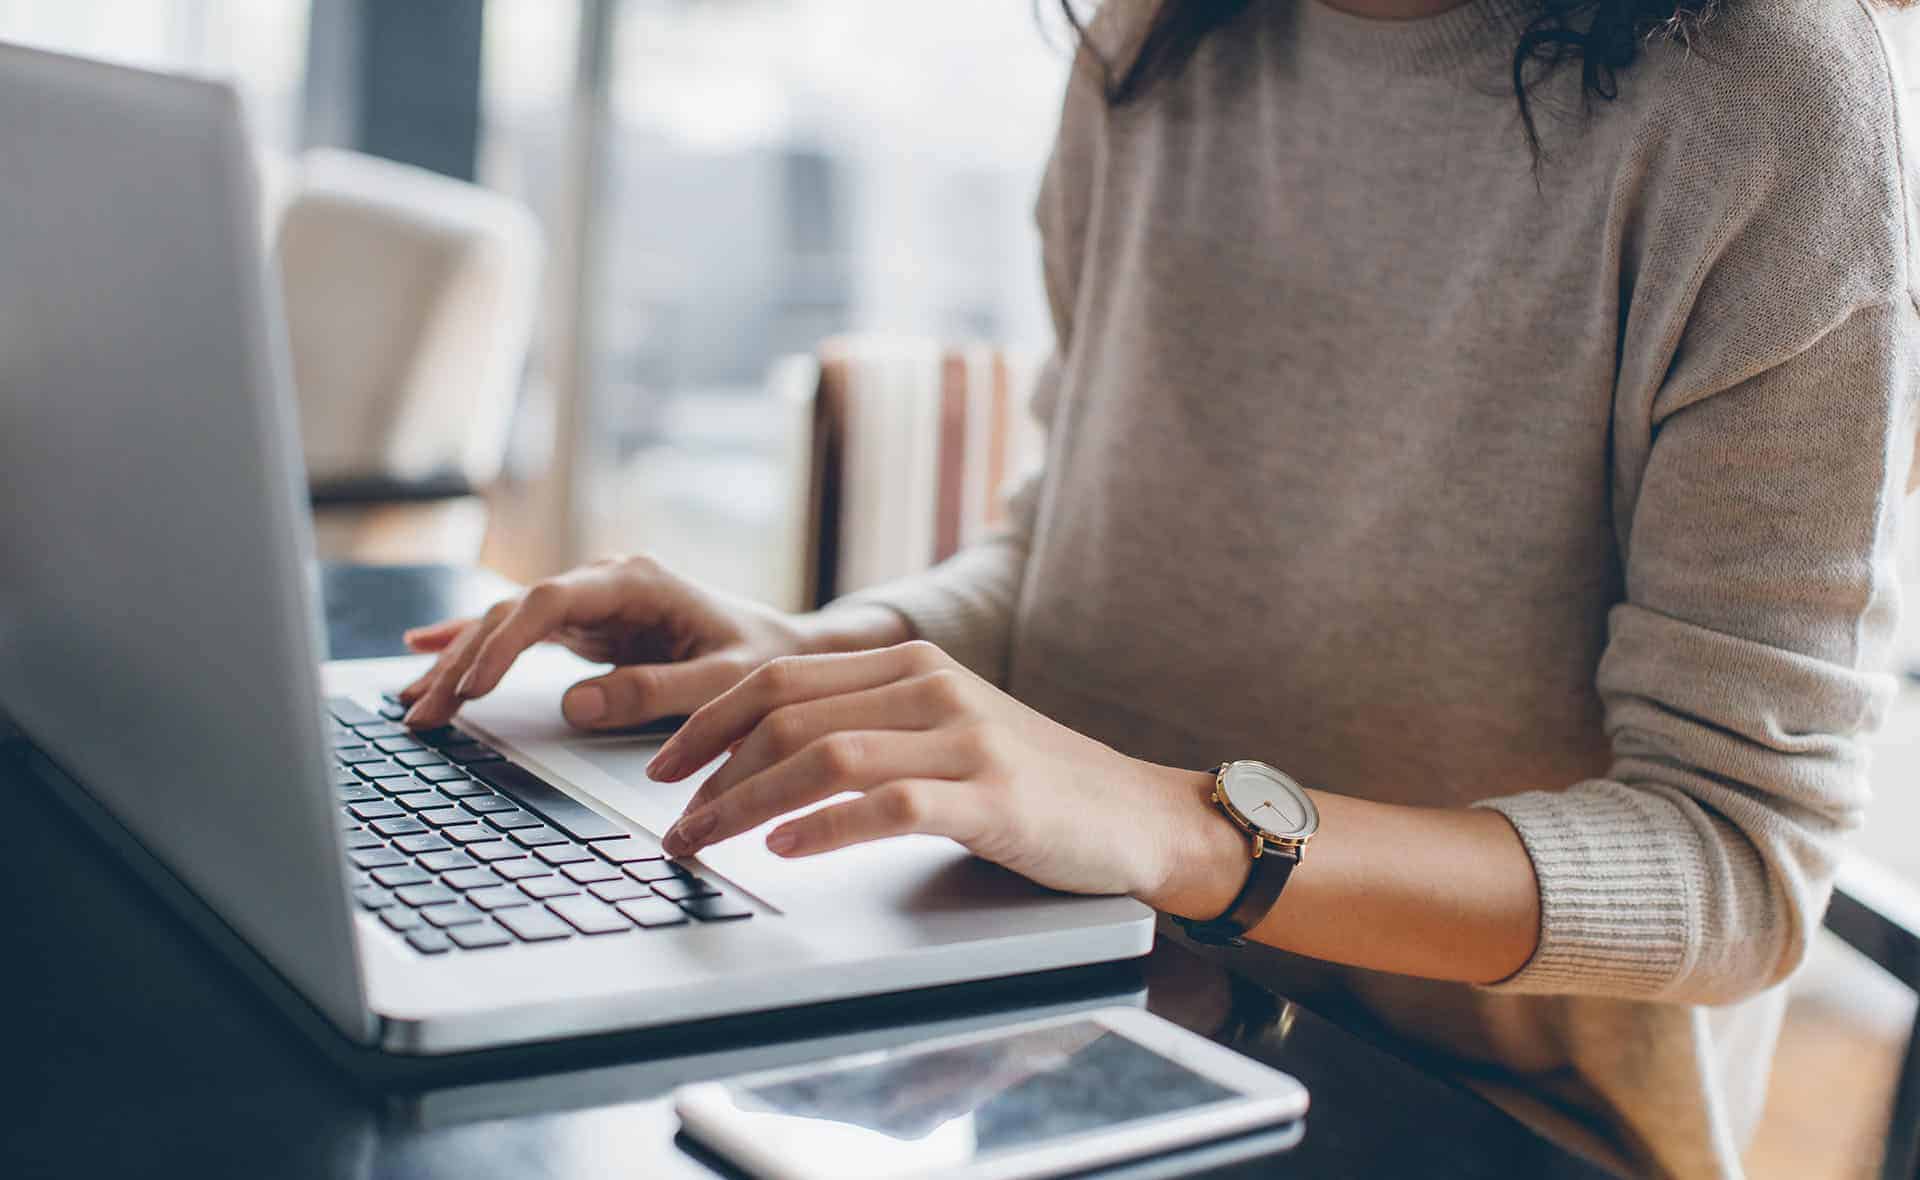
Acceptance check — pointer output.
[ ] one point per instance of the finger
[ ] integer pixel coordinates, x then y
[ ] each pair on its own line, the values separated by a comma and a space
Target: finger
418, 688
584, 597
784, 681
632, 696
850, 760
442, 635
435, 636
915, 704
897, 808
437, 702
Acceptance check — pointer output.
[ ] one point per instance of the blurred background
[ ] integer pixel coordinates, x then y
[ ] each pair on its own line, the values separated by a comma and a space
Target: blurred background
712, 184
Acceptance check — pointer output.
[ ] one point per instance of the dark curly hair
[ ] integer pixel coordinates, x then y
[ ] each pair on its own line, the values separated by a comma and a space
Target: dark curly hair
1604, 36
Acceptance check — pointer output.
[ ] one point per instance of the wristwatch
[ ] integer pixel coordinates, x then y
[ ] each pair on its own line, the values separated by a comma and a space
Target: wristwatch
1279, 818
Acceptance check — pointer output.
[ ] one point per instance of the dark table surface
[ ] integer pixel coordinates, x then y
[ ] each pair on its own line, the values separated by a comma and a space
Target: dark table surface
134, 1050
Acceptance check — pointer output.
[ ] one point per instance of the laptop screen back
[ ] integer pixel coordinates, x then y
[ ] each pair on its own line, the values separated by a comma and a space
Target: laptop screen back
157, 637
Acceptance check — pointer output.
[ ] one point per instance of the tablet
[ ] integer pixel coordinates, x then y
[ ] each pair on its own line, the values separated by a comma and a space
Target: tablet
1028, 1100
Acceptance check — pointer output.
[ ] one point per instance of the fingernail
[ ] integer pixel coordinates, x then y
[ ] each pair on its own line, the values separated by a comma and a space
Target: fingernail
689, 832
663, 764
782, 842
584, 705
464, 687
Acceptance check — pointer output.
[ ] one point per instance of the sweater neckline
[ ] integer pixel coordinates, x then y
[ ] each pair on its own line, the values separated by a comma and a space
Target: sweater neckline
1469, 35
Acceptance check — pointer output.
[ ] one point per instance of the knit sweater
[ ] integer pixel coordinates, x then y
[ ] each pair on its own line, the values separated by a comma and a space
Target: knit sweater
1431, 479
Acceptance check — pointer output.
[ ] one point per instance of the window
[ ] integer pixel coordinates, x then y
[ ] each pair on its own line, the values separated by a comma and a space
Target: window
774, 172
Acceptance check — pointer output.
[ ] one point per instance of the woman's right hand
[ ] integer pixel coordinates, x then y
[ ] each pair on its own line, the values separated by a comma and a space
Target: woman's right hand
675, 645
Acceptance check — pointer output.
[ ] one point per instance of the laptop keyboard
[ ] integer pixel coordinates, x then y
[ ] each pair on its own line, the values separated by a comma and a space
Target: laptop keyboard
456, 848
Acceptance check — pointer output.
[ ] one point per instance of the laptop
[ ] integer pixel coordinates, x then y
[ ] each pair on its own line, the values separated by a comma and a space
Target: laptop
495, 883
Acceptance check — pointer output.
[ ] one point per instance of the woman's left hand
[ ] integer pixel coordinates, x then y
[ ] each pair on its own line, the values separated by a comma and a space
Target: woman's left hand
930, 747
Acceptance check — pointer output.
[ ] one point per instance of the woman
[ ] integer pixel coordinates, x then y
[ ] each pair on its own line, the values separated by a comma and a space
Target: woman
1524, 485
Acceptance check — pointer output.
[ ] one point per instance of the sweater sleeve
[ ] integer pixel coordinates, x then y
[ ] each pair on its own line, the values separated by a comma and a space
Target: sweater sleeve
1761, 438
1738, 682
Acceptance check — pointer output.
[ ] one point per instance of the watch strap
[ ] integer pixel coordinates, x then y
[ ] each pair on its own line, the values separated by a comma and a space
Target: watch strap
1267, 875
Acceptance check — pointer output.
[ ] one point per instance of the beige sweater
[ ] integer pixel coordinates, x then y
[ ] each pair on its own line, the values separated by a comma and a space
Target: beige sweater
1374, 459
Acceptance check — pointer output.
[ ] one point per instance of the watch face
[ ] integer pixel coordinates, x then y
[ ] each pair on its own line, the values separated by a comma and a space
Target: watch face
1270, 800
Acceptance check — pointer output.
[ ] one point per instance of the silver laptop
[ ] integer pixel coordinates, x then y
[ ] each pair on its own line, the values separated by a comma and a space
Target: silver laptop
491, 884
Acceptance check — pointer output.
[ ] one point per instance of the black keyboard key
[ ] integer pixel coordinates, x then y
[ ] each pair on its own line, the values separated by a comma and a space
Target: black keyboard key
347, 713
446, 862
423, 800
480, 937
379, 772
562, 811
400, 788
372, 897
490, 804
492, 850
424, 842
379, 809
398, 745
497, 897
533, 924
407, 826
376, 858
538, 836
402, 919
400, 875
473, 877
359, 793
358, 837
340, 738
589, 916
446, 817
417, 759
470, 753
518, 870
446, 735
563, 854
354, 755
343, 776
431, 894
446, 774
587, 872
657, 870
391, 710
470, 833
444, 916
428, 941
715, 909
514, 818
652, 912
621, 890
631, 850
544, 887
685, 888
379, 728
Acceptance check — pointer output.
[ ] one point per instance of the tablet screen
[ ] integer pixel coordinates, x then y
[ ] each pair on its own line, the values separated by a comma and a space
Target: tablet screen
949, 1106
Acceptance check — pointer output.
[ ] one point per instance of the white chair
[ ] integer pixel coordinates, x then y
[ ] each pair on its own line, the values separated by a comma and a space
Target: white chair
410, 301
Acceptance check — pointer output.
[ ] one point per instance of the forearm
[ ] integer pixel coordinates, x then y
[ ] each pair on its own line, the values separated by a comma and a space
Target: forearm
853, 626
1436, 893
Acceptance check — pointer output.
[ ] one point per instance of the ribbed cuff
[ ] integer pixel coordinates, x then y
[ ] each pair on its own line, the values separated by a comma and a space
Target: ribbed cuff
964, 605
1621, 875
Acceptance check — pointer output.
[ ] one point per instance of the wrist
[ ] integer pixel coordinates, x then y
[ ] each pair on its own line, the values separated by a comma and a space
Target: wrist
1205, 859
856, 626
